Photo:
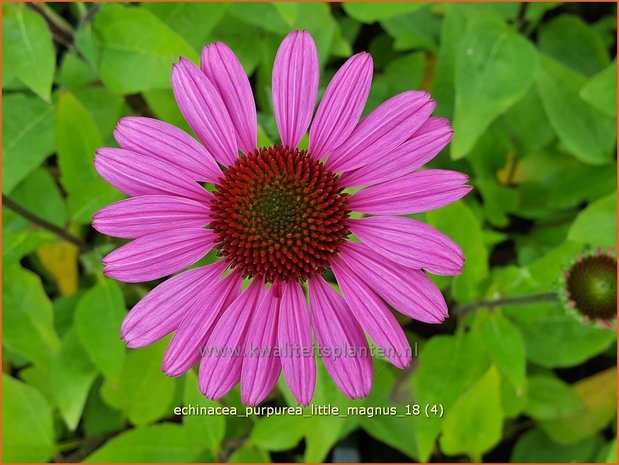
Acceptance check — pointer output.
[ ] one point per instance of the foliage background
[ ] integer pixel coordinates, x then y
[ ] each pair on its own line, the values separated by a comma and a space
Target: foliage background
531, 91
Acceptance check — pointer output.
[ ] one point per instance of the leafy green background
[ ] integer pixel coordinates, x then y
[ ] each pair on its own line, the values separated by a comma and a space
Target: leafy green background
531, 92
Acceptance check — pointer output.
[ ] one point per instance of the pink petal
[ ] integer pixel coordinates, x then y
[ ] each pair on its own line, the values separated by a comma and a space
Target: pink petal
163, 308
225, 71
202, 106
410, 243
196, 326
423, 146
261, 366
341, 105
169, 144
295, 343
373, 316
139, 216
220, 369
409, 291
416, 192
338, 332
382, 131
295, 86
159, 254
138, 174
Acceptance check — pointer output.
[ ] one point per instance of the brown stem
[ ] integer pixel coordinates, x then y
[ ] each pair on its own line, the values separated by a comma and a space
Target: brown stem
35, 219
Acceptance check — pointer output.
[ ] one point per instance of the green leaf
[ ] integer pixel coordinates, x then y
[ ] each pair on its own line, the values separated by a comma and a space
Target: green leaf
535, 446
98, 317
557, 339
182, 18
264, 15
448, 365
505, 346
27, 49
27, 428
164, 442
27, 136
142, 391
77, 138
27, 316
249, 454
418, 29
71, 377
389, 429
585, 132
372, 12
598, 393
206, 430
473, 425
99, 418
494, 69
549, 397
597, 224
105, 108
278, 433
20, 238
164, 107
459, 223
138, 49
571, 41
601, 90
75, 72
39, 193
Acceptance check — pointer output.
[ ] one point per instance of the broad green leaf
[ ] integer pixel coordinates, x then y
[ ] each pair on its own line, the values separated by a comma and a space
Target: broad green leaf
585, 132
39, 193
20, 238
241, 40
601, 90
557, 339
98, 317
99, 418
372, 12
105, 108
598, 394
249, 454
71, 377
27, 317
165, 108
494, 69
394, 431
549, 398
182, 18
27, 136
571, 41
473, 425
448, 365
459, 223
279, 433
142, 392
418, 29
138, 49
513, 399
27, 48
206, 430
75, 72
263, 15
77, 138
505, 346
27, 425
597, 224
165, 442
535, 446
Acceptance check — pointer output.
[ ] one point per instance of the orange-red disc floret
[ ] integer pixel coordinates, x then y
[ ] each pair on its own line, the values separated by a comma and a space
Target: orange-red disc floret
279, 214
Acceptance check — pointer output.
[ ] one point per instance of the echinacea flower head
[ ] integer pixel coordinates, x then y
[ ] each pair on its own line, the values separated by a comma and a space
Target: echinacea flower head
590, 288
279, 218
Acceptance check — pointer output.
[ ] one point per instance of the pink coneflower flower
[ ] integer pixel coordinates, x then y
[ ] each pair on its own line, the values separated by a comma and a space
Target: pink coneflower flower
280, 216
